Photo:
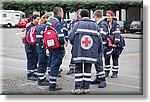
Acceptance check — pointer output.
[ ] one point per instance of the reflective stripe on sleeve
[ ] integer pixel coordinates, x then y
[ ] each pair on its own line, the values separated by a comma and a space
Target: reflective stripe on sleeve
117, 39
65, 28
39, 36
116, 32
103, 32
60, 35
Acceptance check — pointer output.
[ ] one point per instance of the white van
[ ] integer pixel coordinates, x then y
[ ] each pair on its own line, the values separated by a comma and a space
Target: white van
10, 18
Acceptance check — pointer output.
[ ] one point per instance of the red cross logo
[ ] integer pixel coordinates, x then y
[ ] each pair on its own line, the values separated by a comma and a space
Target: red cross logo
86, 42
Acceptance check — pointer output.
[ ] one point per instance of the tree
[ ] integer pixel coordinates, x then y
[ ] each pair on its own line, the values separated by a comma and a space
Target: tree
68, 6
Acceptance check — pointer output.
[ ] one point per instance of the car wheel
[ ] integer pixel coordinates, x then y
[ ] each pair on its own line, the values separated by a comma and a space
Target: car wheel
8, 25
131, 32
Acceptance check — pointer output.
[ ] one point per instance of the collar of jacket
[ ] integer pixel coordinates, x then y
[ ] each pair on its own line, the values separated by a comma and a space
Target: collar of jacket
113, 23
86, 19
100, 21
57, 17
32, 23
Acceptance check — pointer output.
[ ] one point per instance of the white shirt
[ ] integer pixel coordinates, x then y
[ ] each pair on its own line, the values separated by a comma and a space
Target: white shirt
99, 20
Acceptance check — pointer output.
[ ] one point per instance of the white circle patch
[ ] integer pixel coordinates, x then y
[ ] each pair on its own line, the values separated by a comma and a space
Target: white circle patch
86, 42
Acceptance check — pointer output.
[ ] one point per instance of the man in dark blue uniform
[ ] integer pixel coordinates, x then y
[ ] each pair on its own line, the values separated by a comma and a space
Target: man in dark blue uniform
86, 41
65, 32
72, 65
58, 53
100, 74
31, 53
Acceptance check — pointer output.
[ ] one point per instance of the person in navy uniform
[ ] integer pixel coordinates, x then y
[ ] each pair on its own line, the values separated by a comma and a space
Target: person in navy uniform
100, 73
58, 53
31, 52
86, 41
65, 29
114, 46
72, 65
65, 32
42, 57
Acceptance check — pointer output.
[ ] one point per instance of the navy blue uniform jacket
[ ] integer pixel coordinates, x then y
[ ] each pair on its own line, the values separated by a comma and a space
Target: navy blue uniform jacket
86, 41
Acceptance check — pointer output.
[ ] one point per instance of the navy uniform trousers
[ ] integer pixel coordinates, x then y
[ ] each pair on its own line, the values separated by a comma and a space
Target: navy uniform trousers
115, 63
42, 63
56, 61
32, 59
99, 67
82, 75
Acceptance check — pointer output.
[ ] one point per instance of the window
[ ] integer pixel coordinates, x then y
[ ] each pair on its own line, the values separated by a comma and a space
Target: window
17, 15
4, 15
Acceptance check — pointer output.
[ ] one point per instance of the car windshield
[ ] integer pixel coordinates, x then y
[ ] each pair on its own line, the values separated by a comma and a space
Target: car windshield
120, 23
135, 23
22, 20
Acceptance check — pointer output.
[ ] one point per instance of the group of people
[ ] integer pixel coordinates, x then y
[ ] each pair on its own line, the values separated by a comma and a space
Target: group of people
91, 41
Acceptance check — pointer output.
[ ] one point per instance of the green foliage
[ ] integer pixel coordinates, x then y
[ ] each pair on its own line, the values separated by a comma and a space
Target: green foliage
68, 6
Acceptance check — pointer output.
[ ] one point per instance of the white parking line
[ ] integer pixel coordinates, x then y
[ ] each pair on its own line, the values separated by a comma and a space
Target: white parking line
123, 85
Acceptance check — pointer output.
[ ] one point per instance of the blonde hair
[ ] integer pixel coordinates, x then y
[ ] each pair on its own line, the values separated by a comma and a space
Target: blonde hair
46, 16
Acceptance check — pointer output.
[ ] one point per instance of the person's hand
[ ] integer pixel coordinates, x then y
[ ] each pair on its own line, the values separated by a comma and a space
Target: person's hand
114, 45
47, 52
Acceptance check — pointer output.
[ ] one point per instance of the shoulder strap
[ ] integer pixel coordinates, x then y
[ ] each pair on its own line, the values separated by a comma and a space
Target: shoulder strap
54, 23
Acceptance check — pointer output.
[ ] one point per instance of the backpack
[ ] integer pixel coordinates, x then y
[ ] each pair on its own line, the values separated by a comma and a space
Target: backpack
122, 42
51, 40
31, 36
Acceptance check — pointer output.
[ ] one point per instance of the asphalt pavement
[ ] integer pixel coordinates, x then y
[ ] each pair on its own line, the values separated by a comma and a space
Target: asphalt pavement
13, 78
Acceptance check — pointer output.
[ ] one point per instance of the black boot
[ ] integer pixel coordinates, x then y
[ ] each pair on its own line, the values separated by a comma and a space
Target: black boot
102, 82
43, 83
31, 77
114, 75
95, 81
107, 73
55, 88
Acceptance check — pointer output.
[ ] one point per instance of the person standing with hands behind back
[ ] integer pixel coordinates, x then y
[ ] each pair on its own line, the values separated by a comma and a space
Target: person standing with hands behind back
114, 47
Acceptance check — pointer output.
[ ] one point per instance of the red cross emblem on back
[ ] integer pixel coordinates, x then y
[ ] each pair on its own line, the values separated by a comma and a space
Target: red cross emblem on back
86, 42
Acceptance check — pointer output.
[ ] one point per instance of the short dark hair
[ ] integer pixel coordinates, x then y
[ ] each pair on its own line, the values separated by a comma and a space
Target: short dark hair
56, 10
84, 13
34, 17
98, 13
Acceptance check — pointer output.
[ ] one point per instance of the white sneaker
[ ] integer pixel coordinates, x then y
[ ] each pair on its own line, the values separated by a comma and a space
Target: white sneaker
77, 91
85, 91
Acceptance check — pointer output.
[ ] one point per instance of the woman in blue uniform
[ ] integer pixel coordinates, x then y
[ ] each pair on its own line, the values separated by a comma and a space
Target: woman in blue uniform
42, 58
114, 46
